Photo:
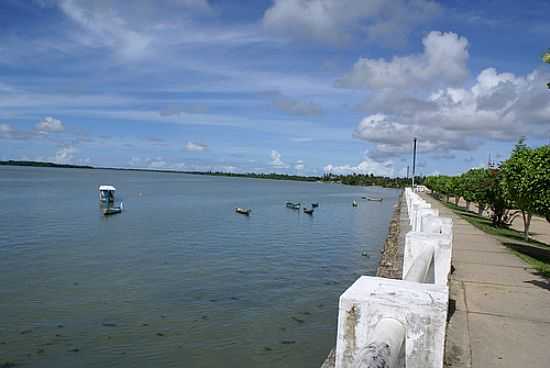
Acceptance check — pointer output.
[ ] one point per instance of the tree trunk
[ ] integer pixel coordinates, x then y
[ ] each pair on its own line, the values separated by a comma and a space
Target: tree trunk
456, 200
526, 224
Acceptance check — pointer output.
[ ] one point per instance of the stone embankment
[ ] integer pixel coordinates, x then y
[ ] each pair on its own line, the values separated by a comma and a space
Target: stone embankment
399, 320
391, 259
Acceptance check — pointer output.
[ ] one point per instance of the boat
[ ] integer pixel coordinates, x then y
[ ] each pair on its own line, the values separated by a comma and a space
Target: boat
293, 205
375, 199
354, 203
363, 197
107, 193
243, 211
315, 205
309, 211
113, 210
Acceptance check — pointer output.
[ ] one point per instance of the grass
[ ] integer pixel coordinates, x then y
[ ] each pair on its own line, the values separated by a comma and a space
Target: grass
484, 224
541, 266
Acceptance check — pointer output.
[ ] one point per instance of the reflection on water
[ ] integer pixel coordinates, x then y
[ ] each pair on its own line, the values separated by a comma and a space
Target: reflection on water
179, 279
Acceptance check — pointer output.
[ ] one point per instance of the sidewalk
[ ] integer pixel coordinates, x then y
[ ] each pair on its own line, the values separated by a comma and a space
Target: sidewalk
501, 314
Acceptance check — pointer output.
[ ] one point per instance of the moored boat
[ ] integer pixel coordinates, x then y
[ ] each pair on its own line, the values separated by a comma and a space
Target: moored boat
309, 211
315, 205
354, 203
375, 199
107, 193
293, 205
113, 210
243, 211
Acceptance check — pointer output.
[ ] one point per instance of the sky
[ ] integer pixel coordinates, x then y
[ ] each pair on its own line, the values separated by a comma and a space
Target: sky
303, 87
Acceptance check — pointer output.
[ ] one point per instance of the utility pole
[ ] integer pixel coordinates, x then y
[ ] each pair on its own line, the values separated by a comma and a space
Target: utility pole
414, 162
407, 171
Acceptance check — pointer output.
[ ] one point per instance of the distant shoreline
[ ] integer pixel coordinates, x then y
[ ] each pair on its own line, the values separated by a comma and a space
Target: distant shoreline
209, 173
354, 179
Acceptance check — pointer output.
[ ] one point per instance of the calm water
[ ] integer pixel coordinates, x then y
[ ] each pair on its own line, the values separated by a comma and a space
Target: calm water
178, 279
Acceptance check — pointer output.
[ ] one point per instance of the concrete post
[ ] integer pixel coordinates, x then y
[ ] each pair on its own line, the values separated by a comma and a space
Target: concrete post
418, 246
386, 348
370, 302
422, 267
417, 226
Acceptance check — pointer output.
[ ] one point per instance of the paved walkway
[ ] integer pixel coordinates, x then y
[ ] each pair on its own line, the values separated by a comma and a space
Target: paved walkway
501, 312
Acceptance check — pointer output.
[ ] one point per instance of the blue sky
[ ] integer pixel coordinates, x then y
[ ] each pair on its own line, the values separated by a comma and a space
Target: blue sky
290, 86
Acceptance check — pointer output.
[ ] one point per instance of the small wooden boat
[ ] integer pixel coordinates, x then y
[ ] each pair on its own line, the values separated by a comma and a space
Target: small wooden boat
375, 199
309, 211
293, 205
243, 211
315, 205
113, 210
354, 203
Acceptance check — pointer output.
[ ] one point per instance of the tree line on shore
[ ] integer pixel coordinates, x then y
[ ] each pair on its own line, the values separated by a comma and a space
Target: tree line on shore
369, 180
519, 186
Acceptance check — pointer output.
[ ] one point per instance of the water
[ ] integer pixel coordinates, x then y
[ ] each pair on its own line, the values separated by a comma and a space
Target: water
178, 279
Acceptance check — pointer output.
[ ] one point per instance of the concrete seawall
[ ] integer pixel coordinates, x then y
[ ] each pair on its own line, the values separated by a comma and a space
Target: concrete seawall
391, 259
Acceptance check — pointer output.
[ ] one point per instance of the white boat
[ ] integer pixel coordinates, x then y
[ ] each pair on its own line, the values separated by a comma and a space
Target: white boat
244, 211
375, 199
113, 210
107, 193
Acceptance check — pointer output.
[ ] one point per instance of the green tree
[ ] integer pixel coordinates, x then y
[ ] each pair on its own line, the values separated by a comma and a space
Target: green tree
525, 181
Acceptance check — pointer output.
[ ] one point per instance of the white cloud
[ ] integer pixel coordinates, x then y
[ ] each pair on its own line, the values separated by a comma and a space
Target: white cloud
157, 164
50, 124
342, 21
443, 61
195, 108
9, 132
106, 27
276, 161
365, 167
65, 155
196, 147
299, 166
129, 28
6, 131
444, 116
301, 139
296, 107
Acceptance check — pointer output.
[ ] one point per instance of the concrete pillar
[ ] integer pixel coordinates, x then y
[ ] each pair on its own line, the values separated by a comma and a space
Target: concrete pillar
386, 350
371, 301
420, 214
421, 268
418, 246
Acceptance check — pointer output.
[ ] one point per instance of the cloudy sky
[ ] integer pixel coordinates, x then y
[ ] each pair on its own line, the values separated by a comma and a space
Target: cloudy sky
292, 86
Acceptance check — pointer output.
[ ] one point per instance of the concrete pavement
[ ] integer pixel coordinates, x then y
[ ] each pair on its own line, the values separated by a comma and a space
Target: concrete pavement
500, 307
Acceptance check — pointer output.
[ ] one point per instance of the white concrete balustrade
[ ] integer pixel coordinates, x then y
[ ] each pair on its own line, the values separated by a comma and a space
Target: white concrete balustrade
386, 323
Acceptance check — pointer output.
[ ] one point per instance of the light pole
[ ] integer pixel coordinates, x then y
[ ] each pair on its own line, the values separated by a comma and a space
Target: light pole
414, 161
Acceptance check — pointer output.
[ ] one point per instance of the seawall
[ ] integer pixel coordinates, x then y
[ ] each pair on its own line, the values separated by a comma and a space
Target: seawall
391, 260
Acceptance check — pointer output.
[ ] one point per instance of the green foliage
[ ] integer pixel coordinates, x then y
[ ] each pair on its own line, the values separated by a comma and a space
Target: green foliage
526, 179
522, 182
476, 184
369, 180
439, 184
273, 176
